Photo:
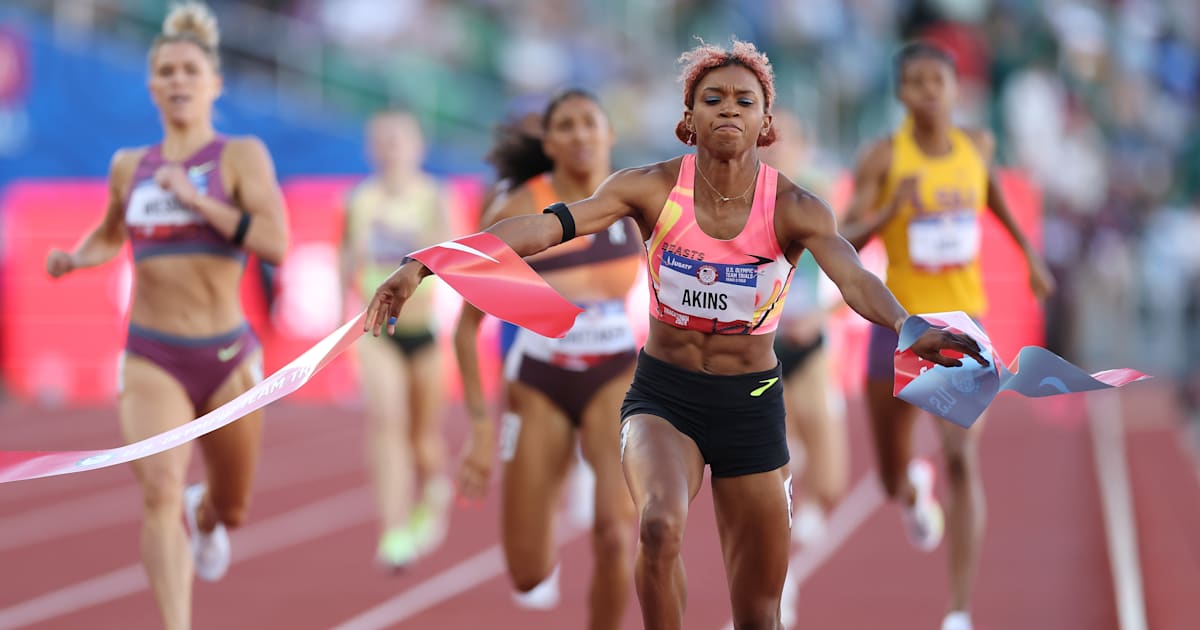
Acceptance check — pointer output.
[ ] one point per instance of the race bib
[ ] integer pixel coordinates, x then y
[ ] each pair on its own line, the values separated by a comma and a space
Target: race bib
601, 330
943, 240
389, 245
714, 291
150, 206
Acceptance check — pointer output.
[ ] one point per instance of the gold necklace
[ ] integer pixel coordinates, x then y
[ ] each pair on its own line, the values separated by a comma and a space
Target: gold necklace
722, 198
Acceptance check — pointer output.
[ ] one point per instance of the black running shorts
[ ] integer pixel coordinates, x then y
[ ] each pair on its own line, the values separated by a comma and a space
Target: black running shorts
738, 421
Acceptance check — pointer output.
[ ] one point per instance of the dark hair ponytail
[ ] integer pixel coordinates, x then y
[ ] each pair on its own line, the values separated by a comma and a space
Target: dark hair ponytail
517, 155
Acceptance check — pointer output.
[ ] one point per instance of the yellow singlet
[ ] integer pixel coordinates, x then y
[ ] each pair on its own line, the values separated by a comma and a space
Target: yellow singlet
386, 228
933, 246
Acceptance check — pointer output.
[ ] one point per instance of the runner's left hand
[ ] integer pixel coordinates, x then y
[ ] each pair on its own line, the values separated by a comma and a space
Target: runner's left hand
932, 342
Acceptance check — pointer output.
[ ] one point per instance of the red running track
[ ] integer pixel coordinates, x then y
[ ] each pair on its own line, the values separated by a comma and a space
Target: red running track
69, 545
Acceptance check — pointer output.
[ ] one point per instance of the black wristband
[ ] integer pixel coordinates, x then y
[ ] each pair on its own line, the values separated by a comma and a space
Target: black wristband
560, 210
239, 235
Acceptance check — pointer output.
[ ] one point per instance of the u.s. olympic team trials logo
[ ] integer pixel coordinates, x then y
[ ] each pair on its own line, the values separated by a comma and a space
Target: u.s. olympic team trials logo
706, 274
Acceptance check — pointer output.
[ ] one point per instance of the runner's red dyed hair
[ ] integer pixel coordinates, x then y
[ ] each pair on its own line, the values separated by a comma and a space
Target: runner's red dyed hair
705, 58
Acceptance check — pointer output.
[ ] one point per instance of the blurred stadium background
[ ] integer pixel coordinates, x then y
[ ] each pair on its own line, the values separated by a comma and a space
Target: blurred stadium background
1095, 104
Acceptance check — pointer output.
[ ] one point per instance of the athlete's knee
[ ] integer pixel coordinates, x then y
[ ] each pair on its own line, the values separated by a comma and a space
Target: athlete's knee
162, 493
661, 531
763, 614
610, 539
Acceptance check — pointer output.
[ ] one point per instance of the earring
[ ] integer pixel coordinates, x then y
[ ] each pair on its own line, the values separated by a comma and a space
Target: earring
691, 137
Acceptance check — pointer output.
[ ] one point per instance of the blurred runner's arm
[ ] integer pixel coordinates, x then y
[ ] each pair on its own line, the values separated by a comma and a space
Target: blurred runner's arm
470, 318
1040, 278
350, 251
475, 471
104, 242
864, 217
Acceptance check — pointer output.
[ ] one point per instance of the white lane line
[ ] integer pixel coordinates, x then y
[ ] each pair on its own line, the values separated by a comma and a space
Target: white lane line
66, 518
309, 522
289, 465
847, 517
460, 578
1116, 498
851, 513
446, 585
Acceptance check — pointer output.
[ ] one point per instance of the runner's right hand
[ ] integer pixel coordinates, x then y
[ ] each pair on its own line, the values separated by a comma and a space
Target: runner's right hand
475, 472
59, 263
904, 192
932, 342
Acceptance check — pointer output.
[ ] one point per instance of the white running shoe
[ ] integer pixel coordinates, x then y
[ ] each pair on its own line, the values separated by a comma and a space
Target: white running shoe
544, 596
210, 551
787, 601
957, 620
809, 526
923, 520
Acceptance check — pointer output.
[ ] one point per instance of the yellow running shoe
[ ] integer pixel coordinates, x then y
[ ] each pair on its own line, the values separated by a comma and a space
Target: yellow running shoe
397, 549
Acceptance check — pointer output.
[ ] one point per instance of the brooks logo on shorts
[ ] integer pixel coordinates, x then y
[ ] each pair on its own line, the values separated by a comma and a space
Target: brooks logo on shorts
758, 391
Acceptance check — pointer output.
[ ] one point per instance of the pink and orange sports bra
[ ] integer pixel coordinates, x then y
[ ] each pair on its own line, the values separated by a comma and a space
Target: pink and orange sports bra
715, 286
